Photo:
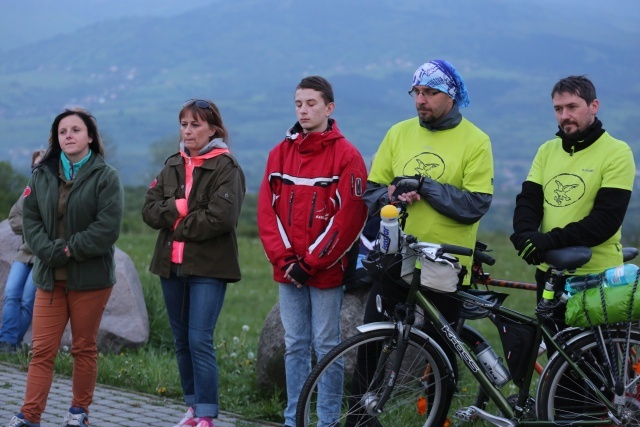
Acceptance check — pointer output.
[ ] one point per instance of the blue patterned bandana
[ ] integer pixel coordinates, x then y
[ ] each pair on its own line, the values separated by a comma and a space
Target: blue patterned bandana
440, 74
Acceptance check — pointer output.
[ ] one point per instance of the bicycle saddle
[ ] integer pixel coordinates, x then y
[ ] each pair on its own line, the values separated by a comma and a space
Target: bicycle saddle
629, 253
569, 258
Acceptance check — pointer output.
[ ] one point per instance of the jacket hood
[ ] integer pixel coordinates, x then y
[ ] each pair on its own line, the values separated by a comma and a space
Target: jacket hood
213, 144
296, 129
314, 140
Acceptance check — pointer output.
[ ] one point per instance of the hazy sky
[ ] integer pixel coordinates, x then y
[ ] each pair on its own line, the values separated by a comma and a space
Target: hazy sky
26, 21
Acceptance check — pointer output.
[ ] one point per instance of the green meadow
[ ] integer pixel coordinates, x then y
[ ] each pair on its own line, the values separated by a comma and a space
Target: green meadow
152, 369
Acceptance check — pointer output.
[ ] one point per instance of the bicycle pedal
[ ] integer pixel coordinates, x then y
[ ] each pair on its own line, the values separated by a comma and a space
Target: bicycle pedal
466, 414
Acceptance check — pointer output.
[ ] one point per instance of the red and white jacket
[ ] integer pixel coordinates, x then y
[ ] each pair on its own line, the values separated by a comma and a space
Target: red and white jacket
310, 207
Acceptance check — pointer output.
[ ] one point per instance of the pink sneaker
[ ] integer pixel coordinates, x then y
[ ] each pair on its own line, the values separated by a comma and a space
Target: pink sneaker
205, 422
188, 420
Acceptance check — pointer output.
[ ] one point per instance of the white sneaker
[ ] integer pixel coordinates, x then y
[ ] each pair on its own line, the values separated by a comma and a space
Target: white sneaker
19, 421
188, 420
205, 422
73, 420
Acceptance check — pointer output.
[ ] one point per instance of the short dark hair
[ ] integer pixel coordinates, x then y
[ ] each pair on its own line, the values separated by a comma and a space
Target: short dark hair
320, 84
576, 85
90, 122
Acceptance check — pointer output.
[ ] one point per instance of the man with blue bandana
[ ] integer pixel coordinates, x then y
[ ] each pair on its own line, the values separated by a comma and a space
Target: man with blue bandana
451, 164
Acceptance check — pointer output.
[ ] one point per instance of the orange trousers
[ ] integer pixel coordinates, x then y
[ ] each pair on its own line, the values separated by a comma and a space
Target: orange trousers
50, 316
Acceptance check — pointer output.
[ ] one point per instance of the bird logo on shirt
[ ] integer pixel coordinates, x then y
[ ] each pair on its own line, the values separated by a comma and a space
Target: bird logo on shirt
423, 168
564, 190
427, 164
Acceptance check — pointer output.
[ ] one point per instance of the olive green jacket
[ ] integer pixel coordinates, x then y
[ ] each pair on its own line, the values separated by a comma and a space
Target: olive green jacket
209, 229
92, 224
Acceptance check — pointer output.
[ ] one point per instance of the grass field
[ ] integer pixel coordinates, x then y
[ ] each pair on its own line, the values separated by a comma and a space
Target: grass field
152, 369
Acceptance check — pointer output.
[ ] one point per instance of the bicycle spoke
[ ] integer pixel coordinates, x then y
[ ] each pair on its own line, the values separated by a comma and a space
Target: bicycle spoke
416, 399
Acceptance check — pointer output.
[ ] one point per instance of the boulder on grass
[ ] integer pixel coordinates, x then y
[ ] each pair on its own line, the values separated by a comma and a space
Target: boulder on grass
270, 371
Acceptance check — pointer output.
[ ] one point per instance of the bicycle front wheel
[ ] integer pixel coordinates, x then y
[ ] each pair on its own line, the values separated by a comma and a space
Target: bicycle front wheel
422, 384
564, 396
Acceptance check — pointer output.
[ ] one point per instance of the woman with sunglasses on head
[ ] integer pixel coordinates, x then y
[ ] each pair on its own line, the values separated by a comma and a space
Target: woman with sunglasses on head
72, 212
195, 202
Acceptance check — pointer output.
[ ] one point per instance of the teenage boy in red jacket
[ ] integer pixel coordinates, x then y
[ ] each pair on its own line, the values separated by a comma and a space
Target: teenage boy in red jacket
310, 212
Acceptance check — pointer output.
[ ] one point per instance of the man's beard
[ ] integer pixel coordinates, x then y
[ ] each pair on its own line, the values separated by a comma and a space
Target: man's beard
576, 129
426, 116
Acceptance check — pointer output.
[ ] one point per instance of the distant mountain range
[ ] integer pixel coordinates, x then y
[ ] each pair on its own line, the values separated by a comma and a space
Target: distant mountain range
135, 70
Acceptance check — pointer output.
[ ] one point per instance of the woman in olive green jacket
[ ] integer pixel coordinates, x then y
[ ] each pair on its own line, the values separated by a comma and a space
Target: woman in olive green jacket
72, 212
195, 202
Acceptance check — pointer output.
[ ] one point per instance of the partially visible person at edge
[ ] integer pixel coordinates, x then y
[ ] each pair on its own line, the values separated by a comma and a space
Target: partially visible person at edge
310, 213
577, 190
19, 291
72, 212
195, 202
453, 158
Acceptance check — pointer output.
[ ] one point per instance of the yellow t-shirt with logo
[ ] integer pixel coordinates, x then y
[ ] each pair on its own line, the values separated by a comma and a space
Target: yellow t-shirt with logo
570, 183
460, 156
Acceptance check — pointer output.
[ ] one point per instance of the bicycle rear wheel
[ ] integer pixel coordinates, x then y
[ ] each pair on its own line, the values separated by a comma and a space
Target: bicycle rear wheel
422, 383
564, 396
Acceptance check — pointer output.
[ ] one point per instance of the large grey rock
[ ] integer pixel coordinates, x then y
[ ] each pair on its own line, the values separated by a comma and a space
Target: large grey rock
125, 322
9, 245
270, 361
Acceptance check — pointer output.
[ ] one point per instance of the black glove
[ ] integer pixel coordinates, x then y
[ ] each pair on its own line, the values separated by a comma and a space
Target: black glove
531, 254
519, 239
533, 250
300, 272
406, 184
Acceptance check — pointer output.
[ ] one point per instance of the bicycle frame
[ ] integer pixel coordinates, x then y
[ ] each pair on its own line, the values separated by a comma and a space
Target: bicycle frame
433, 315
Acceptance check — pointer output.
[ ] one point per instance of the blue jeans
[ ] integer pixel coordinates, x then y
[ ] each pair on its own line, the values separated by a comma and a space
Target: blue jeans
311, 316
17, 311
193, 305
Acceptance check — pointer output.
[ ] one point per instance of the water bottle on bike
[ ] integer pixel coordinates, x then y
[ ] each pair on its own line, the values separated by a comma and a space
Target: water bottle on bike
389, 236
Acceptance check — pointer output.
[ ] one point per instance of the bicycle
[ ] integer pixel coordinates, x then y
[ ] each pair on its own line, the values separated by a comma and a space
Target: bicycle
592, 377
480, 278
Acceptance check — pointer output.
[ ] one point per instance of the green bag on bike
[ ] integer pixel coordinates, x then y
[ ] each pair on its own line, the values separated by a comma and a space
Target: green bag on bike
601, 305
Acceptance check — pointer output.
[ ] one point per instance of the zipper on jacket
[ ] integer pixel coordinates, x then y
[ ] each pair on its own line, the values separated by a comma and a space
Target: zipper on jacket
326, 247
313, 209
290, 207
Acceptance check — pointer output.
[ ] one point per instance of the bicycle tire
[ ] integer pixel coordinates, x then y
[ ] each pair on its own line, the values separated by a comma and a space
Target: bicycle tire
563, 396
424, 379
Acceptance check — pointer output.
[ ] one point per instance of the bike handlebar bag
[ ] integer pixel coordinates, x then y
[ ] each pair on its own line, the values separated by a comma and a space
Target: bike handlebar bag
442, 275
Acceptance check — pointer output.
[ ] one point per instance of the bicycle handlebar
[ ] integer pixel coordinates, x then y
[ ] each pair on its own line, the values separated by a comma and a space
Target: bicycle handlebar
484, 258
457, 250
435, 250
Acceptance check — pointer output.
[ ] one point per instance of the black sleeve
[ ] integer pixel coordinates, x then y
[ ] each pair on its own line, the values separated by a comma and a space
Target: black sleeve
527, 215
463, 206
603, 221
375, 197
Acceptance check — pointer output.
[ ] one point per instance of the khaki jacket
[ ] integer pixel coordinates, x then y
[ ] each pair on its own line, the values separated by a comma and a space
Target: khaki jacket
209, 229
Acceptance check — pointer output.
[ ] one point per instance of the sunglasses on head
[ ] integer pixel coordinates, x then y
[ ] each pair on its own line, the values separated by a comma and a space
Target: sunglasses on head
200, 103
